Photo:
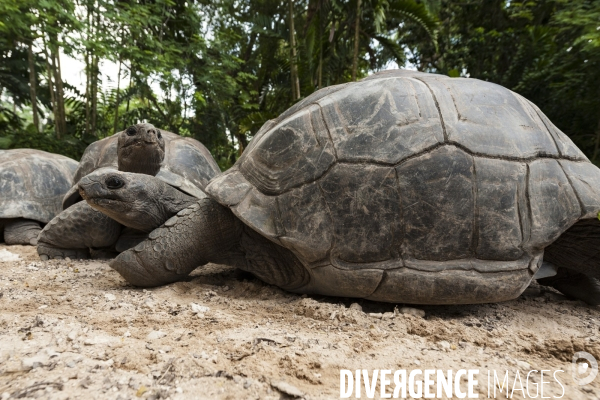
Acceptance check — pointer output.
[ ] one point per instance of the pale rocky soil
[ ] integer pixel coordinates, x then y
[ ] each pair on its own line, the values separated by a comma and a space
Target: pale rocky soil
77, 330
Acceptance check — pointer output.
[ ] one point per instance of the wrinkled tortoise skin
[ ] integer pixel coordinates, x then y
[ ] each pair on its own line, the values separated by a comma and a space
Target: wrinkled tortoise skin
413, 187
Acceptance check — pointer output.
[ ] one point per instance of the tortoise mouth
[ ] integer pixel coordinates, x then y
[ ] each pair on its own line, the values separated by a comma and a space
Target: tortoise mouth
140, 143
87, 196
108, 205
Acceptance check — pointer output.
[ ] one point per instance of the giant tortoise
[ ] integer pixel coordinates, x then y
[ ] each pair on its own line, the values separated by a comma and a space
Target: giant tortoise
182, 162
32, 185
403, 187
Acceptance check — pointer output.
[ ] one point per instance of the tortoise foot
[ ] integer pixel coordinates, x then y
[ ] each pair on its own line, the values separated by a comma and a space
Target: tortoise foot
575, 285
48, 252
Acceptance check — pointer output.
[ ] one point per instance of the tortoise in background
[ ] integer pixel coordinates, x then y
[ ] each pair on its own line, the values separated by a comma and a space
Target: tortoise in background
32, 186
404, 187
182, 162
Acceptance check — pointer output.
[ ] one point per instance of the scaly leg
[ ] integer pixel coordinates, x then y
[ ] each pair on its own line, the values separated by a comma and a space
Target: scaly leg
74, 231
207, 232
22, 231
202, 232
576, 253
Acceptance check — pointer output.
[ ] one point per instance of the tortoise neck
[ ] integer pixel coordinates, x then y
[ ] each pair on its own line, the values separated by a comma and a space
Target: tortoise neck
141, 160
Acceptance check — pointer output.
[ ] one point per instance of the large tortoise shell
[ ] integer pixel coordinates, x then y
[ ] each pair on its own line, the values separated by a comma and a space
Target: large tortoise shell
33, 183
405, 184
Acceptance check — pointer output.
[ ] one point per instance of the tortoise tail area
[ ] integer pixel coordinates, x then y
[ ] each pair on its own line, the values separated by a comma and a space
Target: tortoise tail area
576, 252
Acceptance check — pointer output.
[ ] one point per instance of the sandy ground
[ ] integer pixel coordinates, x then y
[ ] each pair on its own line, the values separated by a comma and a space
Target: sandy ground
77, 330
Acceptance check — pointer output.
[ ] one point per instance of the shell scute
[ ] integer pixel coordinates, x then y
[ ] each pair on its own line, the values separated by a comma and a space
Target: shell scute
382, 121
306, 221
438, 204
554, 204
488, 119
501, 205
294, 152
365, 210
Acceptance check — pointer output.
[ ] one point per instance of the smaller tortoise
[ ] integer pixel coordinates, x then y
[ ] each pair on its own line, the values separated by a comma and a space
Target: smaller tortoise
405, 187
183, 163
32, 186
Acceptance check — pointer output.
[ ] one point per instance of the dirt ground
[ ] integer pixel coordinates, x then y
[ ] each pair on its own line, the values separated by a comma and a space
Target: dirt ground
77, 330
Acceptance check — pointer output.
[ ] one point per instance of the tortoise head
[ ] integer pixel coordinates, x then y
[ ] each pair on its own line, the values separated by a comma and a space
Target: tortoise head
141, 149
131, 199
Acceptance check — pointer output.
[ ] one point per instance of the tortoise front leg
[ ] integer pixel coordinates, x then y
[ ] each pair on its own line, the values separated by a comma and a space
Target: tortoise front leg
75, 230
21, 231
198, 234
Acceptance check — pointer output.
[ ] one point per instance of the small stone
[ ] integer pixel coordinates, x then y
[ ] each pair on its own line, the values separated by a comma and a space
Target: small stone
388, 315
154, 335
149, 304
248, 383
376, 315
417, 362
444, 345
42, 307
198, 309
288, 389
127, 334
523, 365
72, 336
5, 396
71, 364
355, 306
34, 362
110, 297
413, 311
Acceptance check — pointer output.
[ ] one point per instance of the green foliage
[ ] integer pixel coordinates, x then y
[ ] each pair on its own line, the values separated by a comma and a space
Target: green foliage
223, 67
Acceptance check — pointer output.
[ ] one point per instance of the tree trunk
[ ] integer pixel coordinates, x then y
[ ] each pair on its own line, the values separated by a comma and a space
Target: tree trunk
320, 76
51, 87
94, 79
117, 102
597, 146
88, 75
293, 66
131, 75
32, 88
356, 37
94, 103
60, 97
88, 95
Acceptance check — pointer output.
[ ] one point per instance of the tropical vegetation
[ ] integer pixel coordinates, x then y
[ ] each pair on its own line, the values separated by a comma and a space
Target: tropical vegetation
217, 70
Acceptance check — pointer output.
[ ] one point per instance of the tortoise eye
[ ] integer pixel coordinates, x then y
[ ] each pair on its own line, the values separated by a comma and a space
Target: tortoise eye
131, 131
158, 134
114, 183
